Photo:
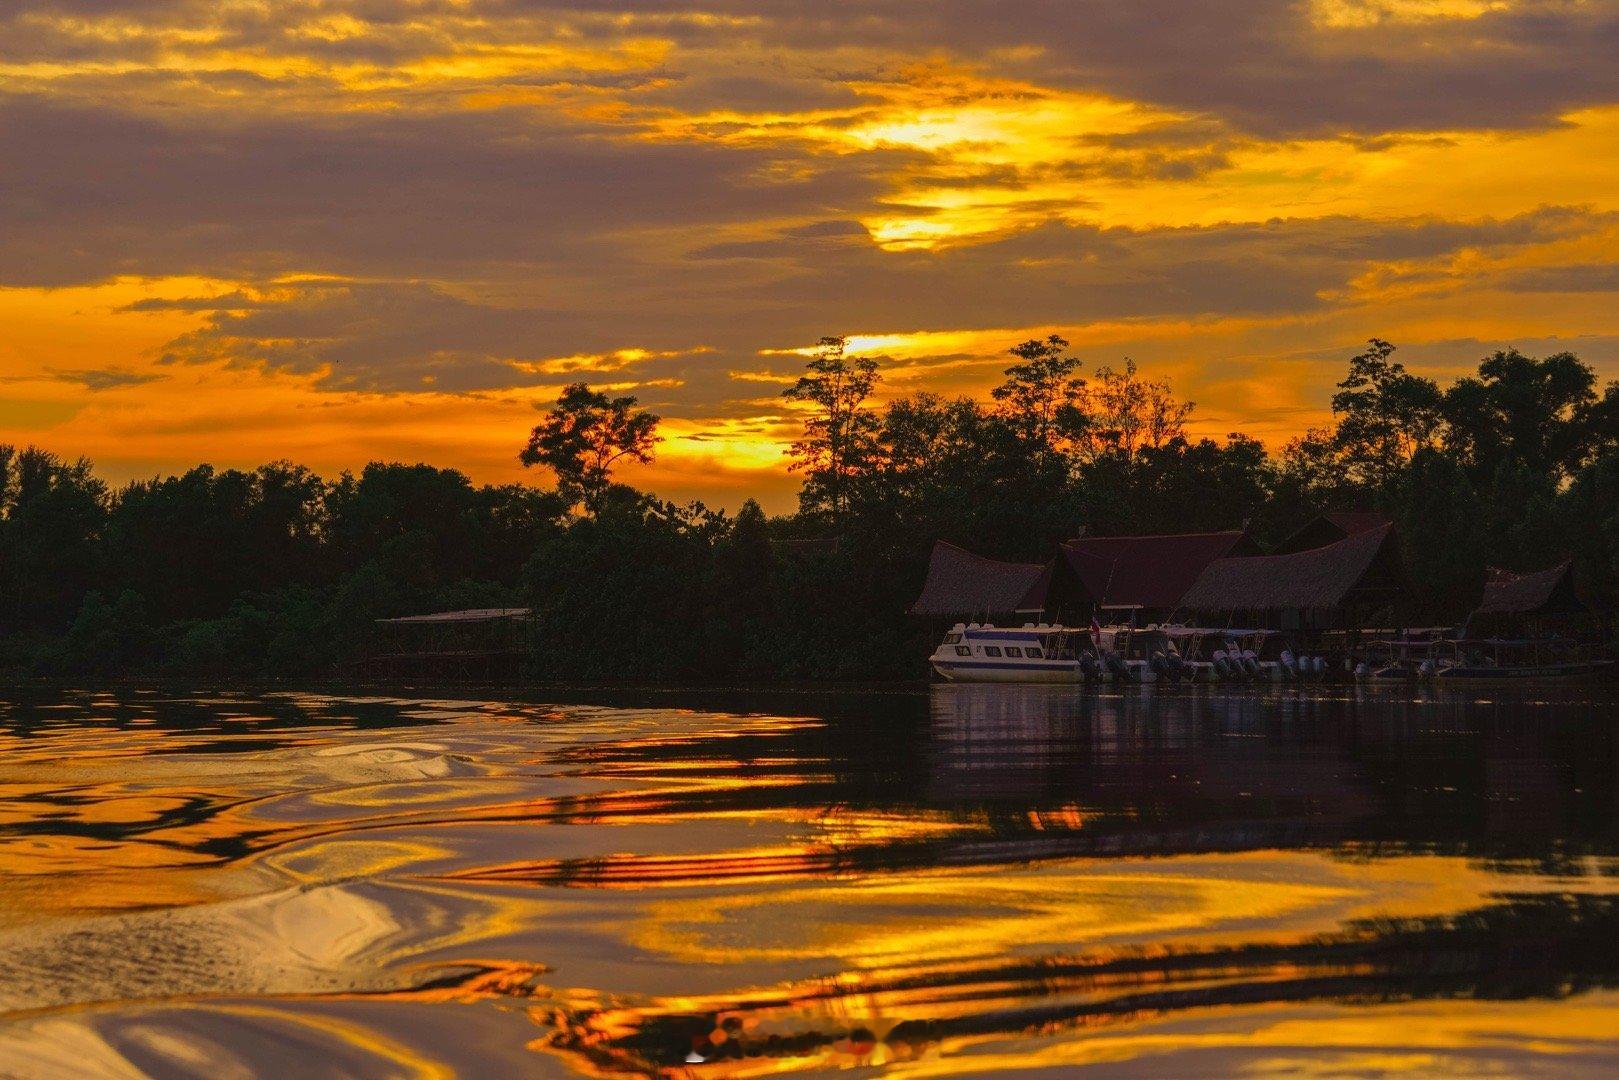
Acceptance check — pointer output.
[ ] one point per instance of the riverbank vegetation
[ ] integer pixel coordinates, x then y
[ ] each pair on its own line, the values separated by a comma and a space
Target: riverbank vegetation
278, 573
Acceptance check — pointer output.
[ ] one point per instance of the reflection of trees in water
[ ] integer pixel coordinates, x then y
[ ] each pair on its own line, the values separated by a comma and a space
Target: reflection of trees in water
1507, 778
1055, 771
1530, 946
1050, 772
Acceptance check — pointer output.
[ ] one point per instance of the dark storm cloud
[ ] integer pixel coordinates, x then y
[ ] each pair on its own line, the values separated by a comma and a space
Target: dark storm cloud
379, 337
1069, 274
92, 379
401, 337
408, 196
1583, 278
1268, 66
484, 238
755, 92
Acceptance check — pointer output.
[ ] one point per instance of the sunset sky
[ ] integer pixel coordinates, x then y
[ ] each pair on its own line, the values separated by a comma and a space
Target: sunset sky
343, 230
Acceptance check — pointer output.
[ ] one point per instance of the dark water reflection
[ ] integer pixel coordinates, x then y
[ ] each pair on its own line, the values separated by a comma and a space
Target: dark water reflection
725, 884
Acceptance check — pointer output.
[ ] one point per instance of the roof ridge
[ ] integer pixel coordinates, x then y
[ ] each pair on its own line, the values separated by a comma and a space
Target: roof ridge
1160, 536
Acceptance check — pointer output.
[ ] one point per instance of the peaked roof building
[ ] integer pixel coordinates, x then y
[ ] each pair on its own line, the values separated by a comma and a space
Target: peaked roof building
1317, 587
1544, 592
1330, 528
1148, 572
961, 584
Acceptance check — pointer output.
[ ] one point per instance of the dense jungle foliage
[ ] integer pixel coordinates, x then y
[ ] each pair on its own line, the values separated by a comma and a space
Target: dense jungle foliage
278, 573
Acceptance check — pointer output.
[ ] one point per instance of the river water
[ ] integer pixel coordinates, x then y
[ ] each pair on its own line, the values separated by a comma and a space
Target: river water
952, 881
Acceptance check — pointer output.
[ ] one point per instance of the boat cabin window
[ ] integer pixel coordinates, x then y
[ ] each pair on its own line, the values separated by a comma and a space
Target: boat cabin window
992, 650
951, 639
1033, 652
1013, 650
963, 650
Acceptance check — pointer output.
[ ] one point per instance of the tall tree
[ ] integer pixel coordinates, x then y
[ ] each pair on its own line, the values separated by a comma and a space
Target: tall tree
839, 434
1385, 415
1523, 413
1311, 478
416, 523
52, 514
1042, 398
584, 436
1130, 413
1440, 516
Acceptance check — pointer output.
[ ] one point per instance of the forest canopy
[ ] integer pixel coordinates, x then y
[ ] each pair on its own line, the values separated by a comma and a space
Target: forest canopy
275, 572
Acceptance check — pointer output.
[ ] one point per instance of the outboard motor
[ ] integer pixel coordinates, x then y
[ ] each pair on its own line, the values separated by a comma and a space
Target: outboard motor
1362, 668
1177, 667
1290, 666
1120, 670
1089, 667
1250, 663
1425, 668
1320, 666
1160, 665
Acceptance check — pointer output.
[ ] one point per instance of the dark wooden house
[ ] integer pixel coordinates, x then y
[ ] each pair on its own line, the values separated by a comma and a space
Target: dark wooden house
1354, 582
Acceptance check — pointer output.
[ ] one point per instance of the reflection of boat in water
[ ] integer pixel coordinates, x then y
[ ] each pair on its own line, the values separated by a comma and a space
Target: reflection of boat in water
1446, 660
975, 652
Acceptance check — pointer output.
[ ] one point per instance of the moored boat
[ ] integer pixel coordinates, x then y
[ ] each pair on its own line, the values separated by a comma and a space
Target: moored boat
1047, 652
1516, 658
1453, 660
974, 652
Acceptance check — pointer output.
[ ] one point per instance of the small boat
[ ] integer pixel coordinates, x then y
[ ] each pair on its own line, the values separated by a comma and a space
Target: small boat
1415, 655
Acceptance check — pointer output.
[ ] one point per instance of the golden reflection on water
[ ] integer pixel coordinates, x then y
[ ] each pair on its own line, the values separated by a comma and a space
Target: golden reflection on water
972, 880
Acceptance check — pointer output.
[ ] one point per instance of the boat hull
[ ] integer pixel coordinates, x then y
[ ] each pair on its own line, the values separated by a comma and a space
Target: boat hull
966, 671
1007, 673
1575, 670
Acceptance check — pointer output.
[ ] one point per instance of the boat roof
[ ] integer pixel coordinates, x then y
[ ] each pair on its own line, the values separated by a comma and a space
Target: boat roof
1205, 631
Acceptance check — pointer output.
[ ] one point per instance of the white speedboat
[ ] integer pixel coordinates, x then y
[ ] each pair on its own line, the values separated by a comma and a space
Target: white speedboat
975, 652
1048, 652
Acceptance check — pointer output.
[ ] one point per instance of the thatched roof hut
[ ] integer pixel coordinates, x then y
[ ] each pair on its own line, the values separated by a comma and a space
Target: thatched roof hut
1545, 592
961, 584
1146, 572
1323, 587
1547, 600
1329, 528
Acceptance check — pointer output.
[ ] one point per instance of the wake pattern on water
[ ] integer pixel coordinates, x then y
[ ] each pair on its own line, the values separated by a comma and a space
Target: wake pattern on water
959, 881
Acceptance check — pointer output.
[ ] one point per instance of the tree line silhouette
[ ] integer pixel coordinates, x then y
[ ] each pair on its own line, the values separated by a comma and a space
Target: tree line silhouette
277, 573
